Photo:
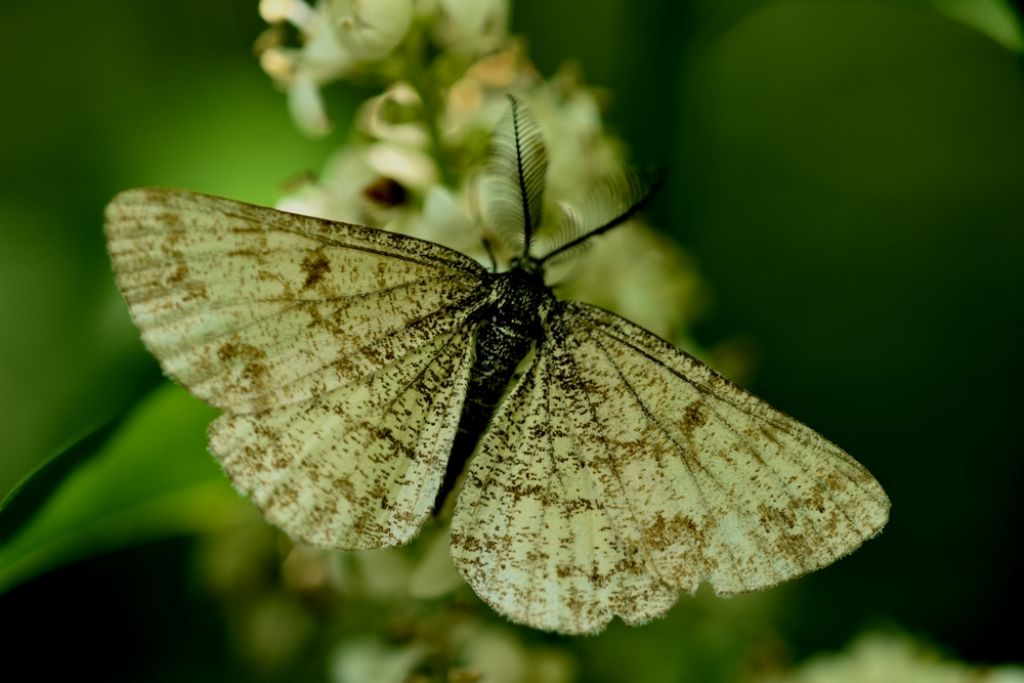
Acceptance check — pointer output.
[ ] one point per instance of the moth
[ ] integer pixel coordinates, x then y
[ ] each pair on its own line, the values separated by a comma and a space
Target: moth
598, 470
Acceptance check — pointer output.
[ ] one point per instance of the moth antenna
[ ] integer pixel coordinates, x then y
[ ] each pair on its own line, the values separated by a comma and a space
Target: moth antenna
513, 183
570, 225
614, 200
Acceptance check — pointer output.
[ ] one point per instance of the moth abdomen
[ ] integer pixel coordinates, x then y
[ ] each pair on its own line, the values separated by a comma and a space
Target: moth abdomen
507, 330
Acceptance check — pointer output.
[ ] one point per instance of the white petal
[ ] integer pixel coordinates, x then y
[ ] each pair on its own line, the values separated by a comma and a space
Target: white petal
445, 222
369, 659
474, 26
371, 29
295, 12
279, 62
410, 166
323, 55
373, 117
306, 105
435, 575
470, 15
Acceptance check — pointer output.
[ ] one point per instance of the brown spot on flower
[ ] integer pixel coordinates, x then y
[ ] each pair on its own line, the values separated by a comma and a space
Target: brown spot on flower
386, 192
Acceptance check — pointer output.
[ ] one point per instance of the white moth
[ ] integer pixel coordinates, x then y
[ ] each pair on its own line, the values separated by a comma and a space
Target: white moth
361, 371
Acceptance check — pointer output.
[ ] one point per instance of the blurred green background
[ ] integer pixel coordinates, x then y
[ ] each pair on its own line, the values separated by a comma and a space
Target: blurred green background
848, 176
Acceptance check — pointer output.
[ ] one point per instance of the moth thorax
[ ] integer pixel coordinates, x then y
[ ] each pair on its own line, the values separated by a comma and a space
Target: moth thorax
518, 297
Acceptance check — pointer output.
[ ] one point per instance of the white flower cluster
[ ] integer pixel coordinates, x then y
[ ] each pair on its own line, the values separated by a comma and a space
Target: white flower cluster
411, 162
473, 647
341, 38
891, 657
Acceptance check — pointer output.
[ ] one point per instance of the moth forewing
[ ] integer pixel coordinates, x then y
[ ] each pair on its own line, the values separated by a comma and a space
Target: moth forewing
340, 353
249, 307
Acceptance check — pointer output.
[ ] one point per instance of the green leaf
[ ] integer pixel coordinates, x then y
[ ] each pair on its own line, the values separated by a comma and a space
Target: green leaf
152, 478
29, 496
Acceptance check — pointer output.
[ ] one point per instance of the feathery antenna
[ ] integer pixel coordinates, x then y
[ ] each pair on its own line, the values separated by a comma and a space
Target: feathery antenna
616, 200
513, 184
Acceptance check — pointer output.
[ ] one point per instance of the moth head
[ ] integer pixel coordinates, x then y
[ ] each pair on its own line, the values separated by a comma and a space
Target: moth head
527, 264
